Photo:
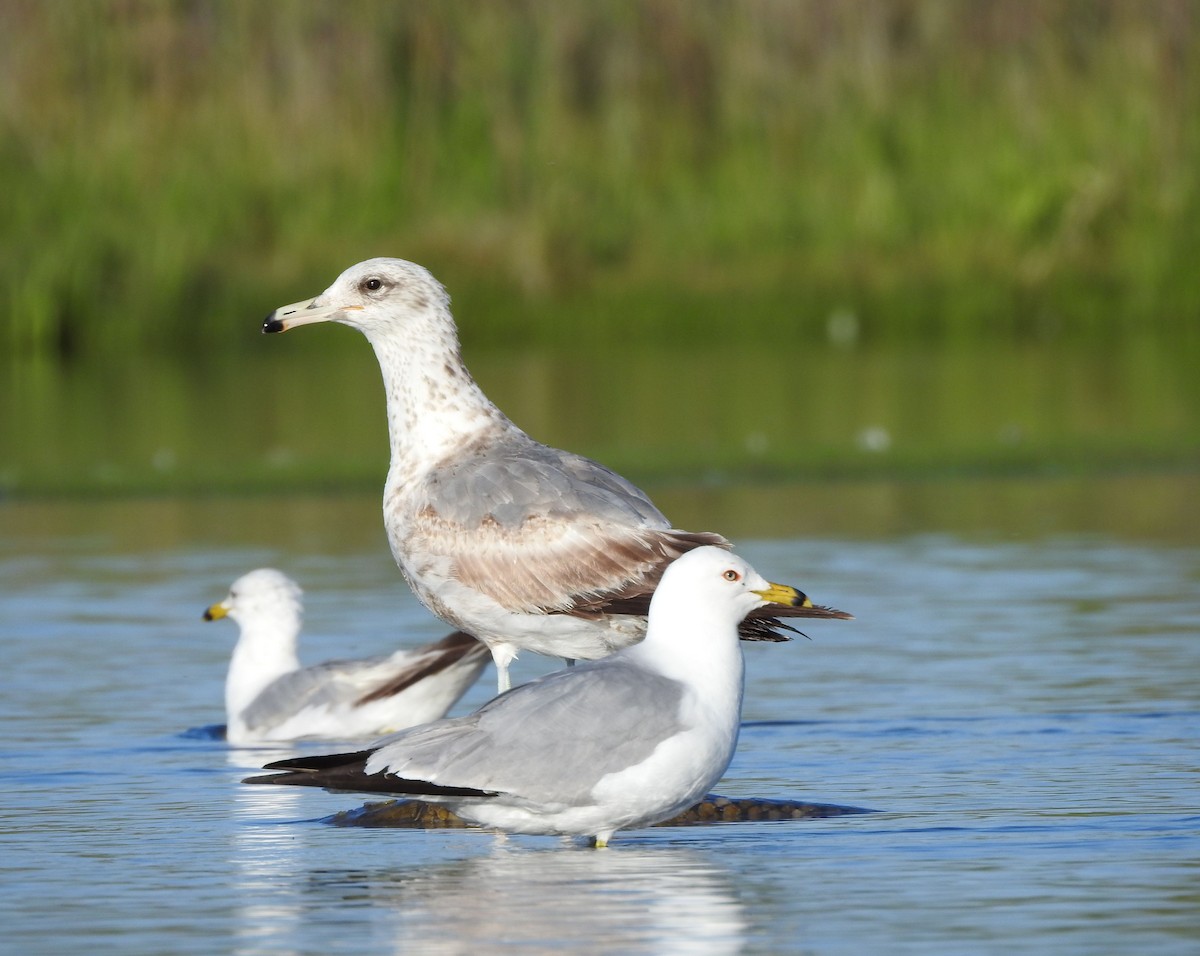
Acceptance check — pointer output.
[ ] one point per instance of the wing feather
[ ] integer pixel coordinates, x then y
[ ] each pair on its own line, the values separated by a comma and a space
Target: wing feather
540, 530
543, 740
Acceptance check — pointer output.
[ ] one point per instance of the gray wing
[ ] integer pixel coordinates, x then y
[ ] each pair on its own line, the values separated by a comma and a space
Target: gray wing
541, 530
550, 740
356, 683
508, 481
328, 685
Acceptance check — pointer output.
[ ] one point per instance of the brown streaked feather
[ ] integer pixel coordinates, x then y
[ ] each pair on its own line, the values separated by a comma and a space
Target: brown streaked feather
548, 565
814, 610
445, 653
761, 624
750, 629
765, 629
640, 605
635, 593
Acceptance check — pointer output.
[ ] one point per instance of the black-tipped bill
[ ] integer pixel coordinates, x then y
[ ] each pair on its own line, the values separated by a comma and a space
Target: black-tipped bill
299, 313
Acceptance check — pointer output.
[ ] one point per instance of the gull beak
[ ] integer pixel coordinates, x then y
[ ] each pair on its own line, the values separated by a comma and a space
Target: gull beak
784, 594
216, 612
306, 312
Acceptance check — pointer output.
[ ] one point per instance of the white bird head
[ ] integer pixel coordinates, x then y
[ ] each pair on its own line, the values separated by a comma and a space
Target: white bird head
261, 595
716, 586
372, 296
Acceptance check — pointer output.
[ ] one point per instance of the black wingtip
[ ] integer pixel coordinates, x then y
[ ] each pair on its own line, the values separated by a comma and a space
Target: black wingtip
267, 778
349, 780
314, 762
271, 325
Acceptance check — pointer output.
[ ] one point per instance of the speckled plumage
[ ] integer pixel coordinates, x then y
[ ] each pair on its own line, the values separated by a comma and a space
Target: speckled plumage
517, 543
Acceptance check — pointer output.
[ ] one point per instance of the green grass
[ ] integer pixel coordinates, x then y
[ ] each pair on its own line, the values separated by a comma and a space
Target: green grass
934, 169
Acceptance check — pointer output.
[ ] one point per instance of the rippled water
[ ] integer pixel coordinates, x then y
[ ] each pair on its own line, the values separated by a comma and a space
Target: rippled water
1021, 711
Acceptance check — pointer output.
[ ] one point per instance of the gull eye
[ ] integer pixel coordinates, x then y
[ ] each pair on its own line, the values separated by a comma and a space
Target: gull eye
732, 575
373, 284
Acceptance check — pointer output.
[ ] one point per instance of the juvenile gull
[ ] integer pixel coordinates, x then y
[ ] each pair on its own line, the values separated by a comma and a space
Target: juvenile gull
517, 543
621, 742
270, 697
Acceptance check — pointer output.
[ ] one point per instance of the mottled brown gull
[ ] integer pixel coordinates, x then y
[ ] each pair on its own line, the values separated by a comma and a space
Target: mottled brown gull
519, 544
621, 742
270, 697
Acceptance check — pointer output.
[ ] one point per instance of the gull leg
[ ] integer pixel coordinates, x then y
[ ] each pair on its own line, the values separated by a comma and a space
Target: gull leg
502, 656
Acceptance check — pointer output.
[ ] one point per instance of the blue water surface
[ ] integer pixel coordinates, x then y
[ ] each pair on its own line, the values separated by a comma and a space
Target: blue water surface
1022, 714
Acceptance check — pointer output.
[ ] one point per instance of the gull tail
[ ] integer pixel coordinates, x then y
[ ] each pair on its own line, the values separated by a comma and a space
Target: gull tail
347, 772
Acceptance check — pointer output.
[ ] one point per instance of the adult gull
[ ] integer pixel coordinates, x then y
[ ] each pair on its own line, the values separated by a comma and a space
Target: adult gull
625, 741
519, 544
270, 697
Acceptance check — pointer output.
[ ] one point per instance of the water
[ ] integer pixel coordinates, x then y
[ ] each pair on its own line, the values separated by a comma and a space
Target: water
1019, 705
306, 410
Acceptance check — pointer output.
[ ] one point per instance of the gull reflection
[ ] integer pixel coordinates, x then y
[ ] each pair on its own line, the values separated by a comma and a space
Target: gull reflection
623, 899
263, 855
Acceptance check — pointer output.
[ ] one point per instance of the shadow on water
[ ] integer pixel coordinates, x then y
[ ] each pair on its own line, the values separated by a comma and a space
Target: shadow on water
712, 810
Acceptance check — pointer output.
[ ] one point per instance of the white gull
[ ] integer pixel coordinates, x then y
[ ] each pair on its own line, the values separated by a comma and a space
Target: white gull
270, 697
626, 741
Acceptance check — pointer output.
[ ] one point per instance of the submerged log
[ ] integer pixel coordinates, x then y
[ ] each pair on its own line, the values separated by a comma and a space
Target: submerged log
417, 814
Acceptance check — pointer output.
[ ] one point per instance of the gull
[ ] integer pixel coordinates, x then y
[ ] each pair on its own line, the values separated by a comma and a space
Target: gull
270, 697
522, 545
621, 742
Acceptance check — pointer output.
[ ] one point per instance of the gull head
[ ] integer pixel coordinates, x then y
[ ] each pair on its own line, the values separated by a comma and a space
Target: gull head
262, 595
715, 585
370, 296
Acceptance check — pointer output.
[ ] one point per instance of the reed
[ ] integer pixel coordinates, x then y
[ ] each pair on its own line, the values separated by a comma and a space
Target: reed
914, 167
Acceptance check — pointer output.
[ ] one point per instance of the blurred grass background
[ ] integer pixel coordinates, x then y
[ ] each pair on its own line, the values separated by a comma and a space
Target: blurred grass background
700, 240
948, 170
